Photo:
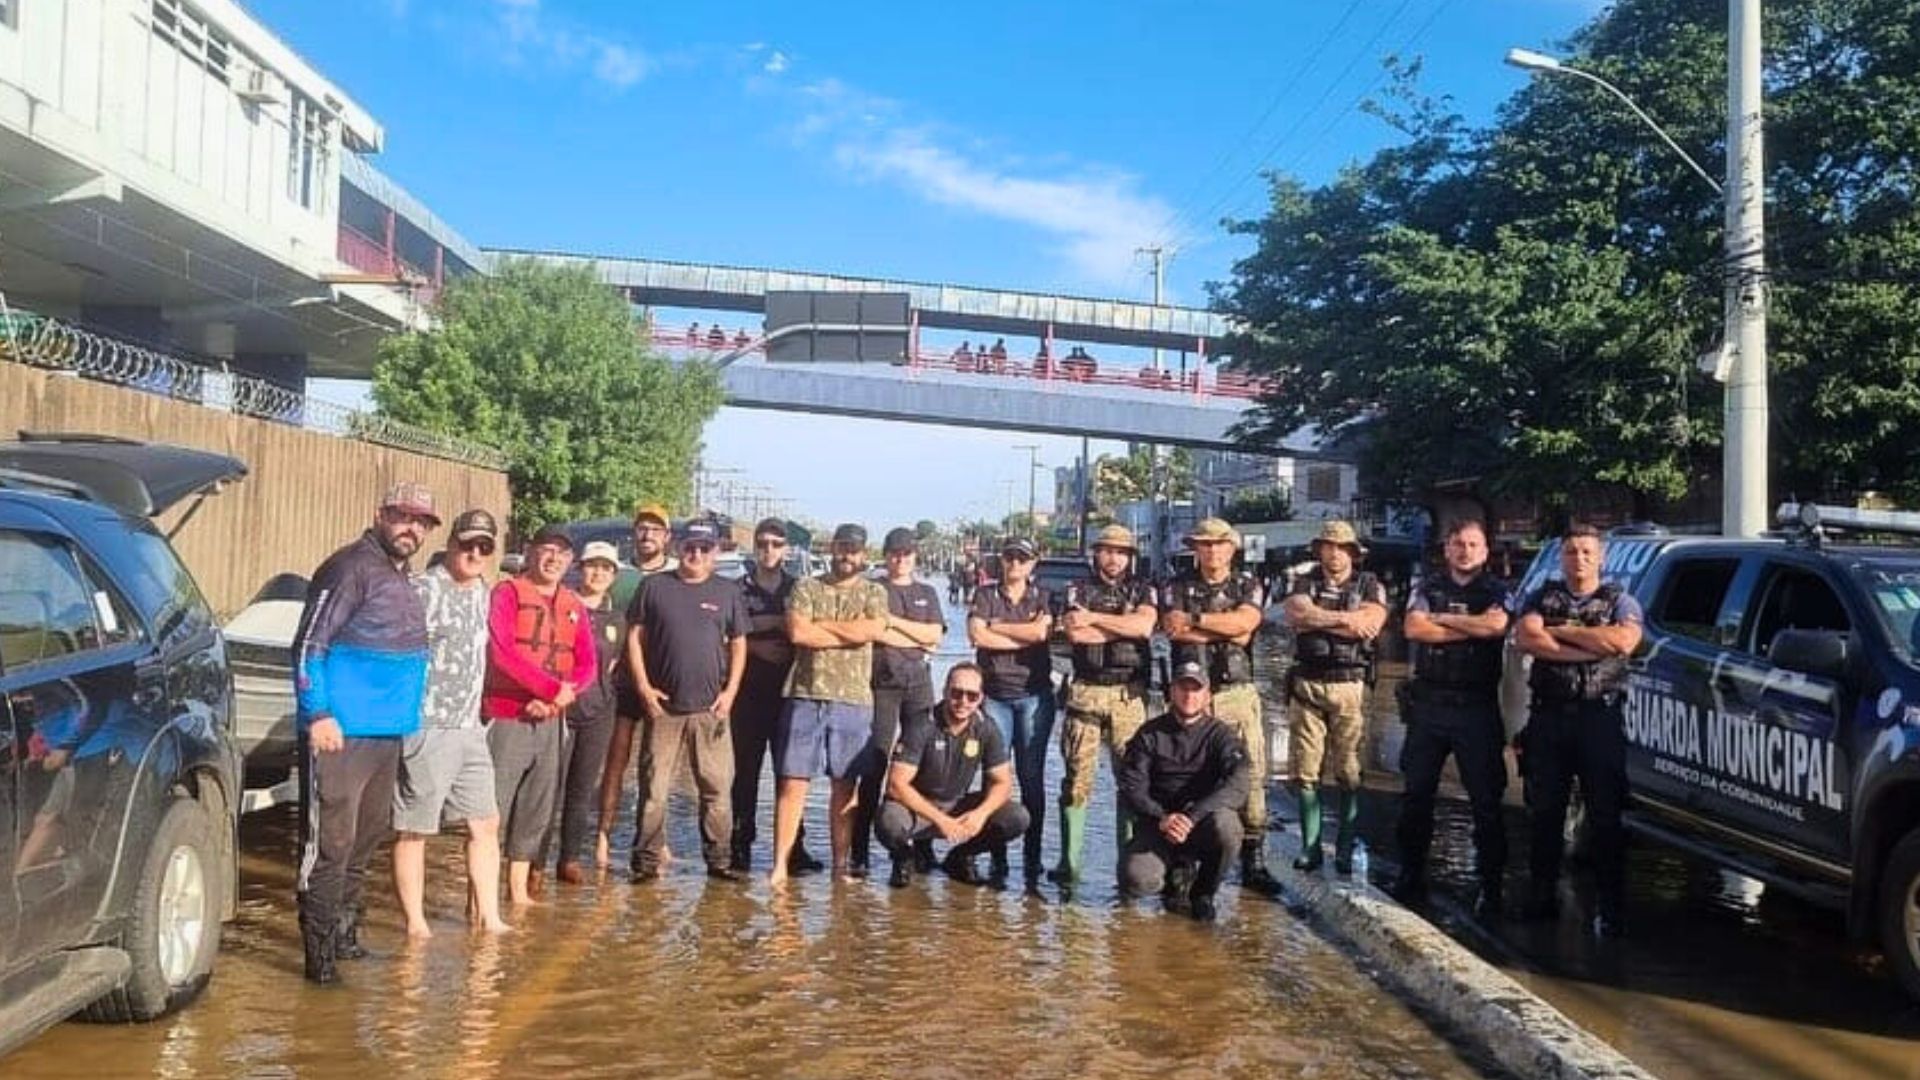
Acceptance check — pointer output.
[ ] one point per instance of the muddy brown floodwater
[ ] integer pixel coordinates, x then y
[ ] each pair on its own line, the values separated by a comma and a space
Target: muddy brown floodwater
687, 977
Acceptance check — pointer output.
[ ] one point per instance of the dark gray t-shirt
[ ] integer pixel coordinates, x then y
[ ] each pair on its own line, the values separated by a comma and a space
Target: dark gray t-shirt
896, 668
685, 631
456, 648
948, 763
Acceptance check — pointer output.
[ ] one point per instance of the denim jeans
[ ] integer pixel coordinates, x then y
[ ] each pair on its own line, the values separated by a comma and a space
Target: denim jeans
1026, 723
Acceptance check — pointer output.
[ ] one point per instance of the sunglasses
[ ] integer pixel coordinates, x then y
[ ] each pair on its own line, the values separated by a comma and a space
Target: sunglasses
1015, 556
697, 547
769, 545
477, 546
963, 695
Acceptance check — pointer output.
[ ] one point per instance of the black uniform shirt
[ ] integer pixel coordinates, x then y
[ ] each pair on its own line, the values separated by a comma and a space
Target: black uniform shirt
1014, 673
948, 763
897, 668
1192, 769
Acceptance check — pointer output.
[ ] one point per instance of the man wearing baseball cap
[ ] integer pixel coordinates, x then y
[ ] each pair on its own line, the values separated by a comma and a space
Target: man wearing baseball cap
540, 657
1211, 613
833, 621
1109, 619
1336, 610
446, 769
1184, 778
902, 677
360, 669
1008, 627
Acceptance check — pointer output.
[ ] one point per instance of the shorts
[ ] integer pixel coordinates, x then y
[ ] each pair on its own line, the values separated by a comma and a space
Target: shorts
820, 736
446, 774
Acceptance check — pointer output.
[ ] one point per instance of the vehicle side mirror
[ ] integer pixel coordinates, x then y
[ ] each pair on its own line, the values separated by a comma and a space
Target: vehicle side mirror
1812, 652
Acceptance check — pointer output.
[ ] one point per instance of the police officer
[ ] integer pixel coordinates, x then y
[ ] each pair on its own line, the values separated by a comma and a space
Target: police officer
1210, 614
1109, 620
1336, 611
1579, 632
1457, 620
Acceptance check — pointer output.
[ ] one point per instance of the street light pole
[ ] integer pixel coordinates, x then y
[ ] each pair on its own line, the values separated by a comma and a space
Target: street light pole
1033, 466
1744, 464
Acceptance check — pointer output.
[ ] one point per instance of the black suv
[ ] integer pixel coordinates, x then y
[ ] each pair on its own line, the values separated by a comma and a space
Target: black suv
118, 773
1773, 714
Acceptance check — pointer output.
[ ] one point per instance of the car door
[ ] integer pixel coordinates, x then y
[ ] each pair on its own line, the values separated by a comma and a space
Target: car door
1690, 622
67, 670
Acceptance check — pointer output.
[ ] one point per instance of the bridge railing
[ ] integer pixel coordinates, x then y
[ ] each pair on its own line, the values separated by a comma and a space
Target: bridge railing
1085, 371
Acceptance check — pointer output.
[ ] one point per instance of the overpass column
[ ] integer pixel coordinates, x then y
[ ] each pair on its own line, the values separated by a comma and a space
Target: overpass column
141, 322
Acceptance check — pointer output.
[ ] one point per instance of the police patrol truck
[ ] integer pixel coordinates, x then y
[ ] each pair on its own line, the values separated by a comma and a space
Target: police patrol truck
1773, 713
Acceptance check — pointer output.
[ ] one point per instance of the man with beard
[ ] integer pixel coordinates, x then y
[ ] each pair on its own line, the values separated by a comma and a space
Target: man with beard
833, 621
540, 657
360, 668
1109, 619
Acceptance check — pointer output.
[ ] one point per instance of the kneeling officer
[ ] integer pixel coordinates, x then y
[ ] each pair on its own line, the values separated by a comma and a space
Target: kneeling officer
934, 764
1185, 780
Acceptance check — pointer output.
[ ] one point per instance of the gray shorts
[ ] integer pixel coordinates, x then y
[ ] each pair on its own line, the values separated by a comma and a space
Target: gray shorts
446, 774
820, 736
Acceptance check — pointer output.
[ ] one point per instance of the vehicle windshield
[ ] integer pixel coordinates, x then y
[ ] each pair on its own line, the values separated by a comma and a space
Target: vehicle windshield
1894, 585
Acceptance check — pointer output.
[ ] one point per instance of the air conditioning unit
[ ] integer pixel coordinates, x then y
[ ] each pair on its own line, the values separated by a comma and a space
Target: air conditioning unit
258, 88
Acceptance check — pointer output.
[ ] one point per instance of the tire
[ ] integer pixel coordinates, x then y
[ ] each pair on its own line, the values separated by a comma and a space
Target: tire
1898, 912
173, 926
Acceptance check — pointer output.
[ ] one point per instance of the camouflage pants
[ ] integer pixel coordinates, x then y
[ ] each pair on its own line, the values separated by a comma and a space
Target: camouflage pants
1238, 706
1115, 712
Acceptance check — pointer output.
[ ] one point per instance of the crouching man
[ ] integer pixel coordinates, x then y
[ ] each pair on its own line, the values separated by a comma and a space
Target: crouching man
1184, 779
934, 764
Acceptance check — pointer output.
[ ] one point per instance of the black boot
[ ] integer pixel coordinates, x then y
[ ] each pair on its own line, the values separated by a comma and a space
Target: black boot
741, 850
1490, 905
1410, 888
1176, 894
902, 875
319, 942
923, 860
1253, 869
346, 943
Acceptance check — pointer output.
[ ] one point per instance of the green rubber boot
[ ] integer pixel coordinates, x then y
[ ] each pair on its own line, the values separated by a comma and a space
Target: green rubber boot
1073, 843
1310, 854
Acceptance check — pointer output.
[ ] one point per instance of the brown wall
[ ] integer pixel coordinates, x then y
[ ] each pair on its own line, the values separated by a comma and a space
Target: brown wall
305, 494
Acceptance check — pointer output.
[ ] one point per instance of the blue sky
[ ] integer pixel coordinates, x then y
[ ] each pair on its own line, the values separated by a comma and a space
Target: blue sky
1019, 146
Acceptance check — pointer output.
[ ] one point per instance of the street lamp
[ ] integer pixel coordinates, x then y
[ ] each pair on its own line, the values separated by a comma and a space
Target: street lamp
1744, 465
1033, 466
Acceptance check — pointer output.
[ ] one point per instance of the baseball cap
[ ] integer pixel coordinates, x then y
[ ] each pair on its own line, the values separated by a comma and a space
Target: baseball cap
850, 534
551, 534
699, 532
602, 551
475, 523
1191, 671
652, 511
899, 540
411, 498
1209, 530
1019, 545
771, 527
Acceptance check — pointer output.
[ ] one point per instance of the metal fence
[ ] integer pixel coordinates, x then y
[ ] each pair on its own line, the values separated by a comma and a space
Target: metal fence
39, 341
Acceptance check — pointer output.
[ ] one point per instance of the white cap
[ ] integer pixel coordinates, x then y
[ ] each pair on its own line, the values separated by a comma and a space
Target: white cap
600, 549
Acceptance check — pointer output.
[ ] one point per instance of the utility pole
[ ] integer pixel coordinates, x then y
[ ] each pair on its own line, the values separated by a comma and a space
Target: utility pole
1155, 471
1744, 464
1033, 466
1086, 486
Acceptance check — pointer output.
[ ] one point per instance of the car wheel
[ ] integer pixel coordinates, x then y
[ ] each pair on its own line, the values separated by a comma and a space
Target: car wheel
173, 929
1899, 912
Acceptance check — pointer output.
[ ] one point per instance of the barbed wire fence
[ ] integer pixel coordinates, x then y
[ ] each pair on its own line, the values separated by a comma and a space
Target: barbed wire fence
47, 343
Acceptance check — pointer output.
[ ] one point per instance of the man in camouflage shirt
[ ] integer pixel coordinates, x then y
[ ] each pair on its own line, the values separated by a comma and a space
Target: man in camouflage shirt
833, 621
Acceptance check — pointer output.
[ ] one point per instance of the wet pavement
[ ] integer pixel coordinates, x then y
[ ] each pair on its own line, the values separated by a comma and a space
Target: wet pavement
689, 977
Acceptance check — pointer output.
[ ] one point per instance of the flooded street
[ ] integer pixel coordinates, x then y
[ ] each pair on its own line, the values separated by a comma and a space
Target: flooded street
687, 977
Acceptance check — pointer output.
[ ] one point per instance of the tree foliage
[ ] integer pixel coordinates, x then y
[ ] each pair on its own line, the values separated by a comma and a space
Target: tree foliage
1254, 506
1521, 305
545, 363
1119, 479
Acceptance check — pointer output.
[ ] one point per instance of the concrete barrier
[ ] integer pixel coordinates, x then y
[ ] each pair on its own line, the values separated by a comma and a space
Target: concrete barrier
1525, 1034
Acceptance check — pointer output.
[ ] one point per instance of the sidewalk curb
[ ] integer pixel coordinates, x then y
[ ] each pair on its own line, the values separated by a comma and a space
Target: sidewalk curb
1521, 1031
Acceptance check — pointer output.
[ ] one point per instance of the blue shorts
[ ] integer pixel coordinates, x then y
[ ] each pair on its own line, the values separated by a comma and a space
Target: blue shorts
820, 736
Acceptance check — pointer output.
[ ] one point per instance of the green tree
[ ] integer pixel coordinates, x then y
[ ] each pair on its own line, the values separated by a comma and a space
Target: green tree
1258, 506
1127, 478
545, 363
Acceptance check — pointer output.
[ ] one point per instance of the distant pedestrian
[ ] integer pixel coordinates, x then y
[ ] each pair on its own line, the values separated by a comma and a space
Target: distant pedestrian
756, 710
590, 723
446, 769
687, 648
1008, 626
360, 668
540, 657
833, 621
931, 783
1185, 777
902, 677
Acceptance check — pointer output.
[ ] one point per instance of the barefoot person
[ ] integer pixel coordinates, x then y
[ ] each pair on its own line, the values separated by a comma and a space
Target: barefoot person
446, 771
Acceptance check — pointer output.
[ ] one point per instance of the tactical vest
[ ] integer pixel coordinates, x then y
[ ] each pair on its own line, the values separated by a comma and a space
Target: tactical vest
1226, 662
1472, 665
1596, 680
1318, 654
544, 627
1109, 663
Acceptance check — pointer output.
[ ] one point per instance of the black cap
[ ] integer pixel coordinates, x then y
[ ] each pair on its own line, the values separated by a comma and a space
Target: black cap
771, 527
474, 523
551, 534
1019, 545
1191, 671
699, 532
850, 534
900, 540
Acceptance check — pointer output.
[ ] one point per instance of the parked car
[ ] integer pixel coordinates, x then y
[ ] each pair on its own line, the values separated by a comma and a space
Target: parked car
260, 655
119, 779
1773, 713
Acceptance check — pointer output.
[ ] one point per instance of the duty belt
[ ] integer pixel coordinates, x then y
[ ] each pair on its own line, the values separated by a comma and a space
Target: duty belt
1109, 678
1329, 674
1440, 694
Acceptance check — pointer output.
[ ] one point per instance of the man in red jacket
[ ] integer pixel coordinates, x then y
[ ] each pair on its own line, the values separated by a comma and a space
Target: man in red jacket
540, 655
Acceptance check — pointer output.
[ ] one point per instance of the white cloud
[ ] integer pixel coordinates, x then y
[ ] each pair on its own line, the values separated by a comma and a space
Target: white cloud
531, 35
776, 63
